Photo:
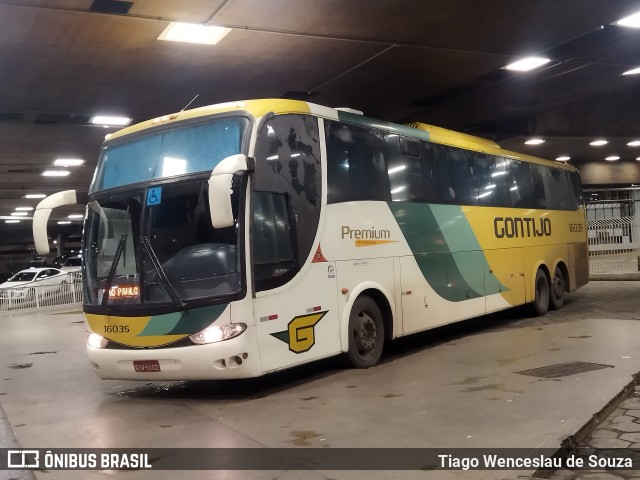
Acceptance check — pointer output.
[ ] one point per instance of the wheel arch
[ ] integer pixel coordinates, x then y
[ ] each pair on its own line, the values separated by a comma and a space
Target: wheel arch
565, 271
384, 301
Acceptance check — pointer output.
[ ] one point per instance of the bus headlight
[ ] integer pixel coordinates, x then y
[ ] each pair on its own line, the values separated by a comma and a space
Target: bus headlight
216, 333
96, 341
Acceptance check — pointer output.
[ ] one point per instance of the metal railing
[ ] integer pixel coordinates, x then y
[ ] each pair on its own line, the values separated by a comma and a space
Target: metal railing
613, 230
67, 292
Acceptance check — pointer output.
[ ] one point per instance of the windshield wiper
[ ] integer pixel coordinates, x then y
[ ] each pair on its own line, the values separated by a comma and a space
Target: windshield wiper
163, 276
112, 269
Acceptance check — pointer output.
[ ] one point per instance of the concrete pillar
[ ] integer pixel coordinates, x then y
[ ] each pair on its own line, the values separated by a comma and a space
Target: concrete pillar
60, 244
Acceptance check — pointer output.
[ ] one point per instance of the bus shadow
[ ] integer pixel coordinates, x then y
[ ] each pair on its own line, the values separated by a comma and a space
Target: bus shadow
255, 388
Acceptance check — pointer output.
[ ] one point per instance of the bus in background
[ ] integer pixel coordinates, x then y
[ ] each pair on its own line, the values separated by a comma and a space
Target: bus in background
244, 238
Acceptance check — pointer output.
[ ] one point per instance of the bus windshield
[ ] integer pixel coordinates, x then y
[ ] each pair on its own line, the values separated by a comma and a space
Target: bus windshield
178, 151
162, 254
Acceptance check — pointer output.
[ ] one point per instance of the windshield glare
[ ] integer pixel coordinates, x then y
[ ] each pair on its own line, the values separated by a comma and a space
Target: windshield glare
161, 251
179, 151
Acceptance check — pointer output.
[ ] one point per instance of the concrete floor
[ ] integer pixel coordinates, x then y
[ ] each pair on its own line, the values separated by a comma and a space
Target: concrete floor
454, 387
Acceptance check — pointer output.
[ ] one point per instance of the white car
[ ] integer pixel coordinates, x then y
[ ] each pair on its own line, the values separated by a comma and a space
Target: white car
27, 283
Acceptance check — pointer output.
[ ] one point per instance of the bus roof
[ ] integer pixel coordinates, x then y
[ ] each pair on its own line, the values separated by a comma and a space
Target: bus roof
261, 107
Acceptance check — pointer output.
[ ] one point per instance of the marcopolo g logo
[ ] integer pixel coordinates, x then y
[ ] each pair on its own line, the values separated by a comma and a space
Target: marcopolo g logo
517, 227
300, 334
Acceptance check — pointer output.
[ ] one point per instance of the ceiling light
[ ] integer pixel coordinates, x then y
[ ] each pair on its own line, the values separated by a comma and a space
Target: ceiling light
56, 173
64, 222
634, 143
35, 195
24, 209
534, 141
193, 33
598, 143
528, 63
632, 21
633, 71
612, 158
68, 162
76, 215
12, 221
563, 158
19, 214
107, 120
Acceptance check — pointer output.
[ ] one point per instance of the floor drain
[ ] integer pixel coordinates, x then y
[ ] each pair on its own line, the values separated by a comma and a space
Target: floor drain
563, 369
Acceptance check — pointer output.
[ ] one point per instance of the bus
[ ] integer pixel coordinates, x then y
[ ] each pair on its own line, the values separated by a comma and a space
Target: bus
244, 238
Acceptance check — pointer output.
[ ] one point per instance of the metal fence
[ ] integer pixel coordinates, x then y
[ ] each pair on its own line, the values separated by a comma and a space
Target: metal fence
613, 230
67, 292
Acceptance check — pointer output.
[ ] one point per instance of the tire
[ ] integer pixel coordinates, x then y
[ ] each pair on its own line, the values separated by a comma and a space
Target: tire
540, 304
558, 286
366, 333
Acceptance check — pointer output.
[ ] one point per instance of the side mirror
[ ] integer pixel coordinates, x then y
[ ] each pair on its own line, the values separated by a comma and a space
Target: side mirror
220, 188
41, 217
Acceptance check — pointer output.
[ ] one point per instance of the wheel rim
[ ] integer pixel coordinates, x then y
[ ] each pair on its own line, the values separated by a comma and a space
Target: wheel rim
365, 334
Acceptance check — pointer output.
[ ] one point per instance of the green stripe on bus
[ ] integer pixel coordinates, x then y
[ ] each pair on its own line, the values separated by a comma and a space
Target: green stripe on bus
379, 124
446, 250
183, 323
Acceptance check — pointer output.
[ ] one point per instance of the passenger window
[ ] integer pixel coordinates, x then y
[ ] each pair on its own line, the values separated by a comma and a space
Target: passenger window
356, 165
491, 180
412, 176
287, 193
562, 193
457, 183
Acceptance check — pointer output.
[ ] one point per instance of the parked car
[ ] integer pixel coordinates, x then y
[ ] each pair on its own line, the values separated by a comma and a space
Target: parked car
26, 283
72, 264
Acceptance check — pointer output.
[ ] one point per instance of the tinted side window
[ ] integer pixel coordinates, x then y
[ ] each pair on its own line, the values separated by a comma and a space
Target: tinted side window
457, 184
412, 170
286, 201
562, 194
491, 179
356, 167
525, 181
577, 186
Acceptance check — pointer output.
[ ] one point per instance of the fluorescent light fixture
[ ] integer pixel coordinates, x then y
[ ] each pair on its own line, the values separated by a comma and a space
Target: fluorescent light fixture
490, 186
534, 141
598, 143
634, 143
633, 71
68, 162
24, 209
396, 169
399, 189
193, 33
563, 158
485, 194
12, 221
528, 63
76, 215
272, 157
631, 21
64, 222
513, 188
19, 214
55, 173
173, 166
499, 173
35, 195
638, 159
108, 120
612, 158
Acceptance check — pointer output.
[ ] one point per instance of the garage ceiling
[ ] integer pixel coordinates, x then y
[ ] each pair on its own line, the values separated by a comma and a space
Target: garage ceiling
63, 61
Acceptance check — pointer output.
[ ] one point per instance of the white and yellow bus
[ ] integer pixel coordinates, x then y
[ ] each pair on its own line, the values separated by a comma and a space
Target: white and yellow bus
244, 238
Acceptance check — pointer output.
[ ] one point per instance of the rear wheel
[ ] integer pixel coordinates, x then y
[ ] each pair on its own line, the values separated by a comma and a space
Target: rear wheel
558, 286
366, 333
540, 304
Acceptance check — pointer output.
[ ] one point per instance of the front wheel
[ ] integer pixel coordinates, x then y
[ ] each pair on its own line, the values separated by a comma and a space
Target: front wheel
366, 333
540, 304
558, 286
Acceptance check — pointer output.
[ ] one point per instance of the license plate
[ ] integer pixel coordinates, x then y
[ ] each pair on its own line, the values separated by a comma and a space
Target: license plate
146, 366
